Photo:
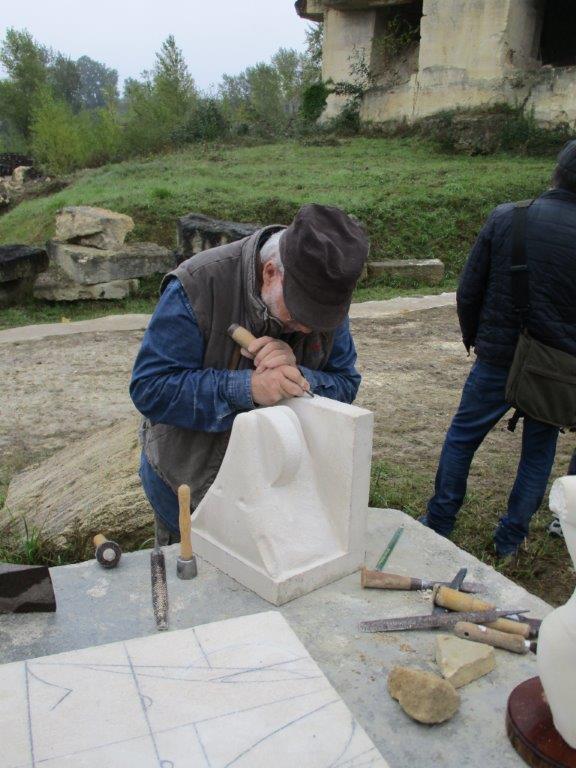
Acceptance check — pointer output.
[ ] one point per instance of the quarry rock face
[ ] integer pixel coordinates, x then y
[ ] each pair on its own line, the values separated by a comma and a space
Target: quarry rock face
425, 697
91, 226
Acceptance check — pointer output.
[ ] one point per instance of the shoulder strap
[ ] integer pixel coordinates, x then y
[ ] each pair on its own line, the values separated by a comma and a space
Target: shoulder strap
519, 266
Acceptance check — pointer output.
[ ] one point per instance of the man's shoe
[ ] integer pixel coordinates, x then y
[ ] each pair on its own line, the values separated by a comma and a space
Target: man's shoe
424, 520
506, 559
555, 529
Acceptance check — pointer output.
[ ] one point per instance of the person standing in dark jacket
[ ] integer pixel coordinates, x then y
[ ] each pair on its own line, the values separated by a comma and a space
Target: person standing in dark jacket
490, 325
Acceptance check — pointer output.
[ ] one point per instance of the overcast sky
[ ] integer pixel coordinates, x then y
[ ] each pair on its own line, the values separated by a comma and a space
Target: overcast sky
216, 36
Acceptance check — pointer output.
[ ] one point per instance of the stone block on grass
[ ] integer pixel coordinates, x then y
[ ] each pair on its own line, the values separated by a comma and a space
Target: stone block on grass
91, 226
19, 268
427, 271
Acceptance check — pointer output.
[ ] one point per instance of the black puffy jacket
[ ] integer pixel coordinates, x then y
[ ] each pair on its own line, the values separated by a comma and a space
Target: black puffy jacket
485, 306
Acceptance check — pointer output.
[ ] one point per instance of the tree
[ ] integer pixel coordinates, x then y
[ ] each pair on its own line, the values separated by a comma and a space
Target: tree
173, 84
26, 64
64, 78
98, 83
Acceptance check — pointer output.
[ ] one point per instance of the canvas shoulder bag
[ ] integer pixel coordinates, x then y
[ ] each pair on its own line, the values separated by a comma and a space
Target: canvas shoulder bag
542, 380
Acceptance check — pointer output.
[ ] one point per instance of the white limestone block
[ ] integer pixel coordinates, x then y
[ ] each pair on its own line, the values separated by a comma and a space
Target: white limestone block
287, 511
240, 692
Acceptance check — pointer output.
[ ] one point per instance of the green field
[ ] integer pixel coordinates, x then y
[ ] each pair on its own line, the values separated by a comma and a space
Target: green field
415, 201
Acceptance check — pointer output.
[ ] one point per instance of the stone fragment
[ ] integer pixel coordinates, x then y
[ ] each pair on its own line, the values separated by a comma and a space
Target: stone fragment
92, 485
302, 466
425, 697
90, 226
428, 271
19, 267
197, 232
90, 266
462, 661
22, 174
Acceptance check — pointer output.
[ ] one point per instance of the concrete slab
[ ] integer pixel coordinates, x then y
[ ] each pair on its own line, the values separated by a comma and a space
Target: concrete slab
97, 606
365, 309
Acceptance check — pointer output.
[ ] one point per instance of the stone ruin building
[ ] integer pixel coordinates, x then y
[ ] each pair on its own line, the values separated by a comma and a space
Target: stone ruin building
433, 55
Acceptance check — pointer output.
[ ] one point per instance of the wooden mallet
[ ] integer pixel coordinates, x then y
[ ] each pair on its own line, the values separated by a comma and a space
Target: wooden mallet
108, 553
186, 567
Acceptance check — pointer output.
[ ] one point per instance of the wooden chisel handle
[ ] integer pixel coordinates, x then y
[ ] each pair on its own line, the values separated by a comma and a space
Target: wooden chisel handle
185, 522
457, 601
378, 580
241, 336
480, 634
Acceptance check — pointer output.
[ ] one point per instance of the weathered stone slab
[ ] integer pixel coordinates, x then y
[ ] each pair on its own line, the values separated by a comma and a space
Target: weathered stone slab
90, 486
19, 267
49, 289
425, 697
462, 661
197, 232
428, 271
90, 266
91, 226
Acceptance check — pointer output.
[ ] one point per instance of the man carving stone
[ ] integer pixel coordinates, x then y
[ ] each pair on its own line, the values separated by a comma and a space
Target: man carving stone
292, 288
491, 325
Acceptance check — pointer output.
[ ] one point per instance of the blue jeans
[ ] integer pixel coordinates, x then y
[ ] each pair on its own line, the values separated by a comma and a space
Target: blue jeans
481, 407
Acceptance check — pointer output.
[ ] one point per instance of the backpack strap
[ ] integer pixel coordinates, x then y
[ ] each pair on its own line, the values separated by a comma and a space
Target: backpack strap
519, 266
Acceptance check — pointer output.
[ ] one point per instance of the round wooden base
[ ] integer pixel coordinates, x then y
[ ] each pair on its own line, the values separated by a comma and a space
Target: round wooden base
531, 730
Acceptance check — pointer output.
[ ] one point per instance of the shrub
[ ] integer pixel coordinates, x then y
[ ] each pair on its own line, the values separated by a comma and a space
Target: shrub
57, 145
313, 102
205, 122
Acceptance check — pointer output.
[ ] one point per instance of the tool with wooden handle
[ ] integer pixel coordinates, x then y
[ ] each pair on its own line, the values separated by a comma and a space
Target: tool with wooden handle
186, 567
384, 580
244, 338
456, 601
432, 621
481, 634
108, 553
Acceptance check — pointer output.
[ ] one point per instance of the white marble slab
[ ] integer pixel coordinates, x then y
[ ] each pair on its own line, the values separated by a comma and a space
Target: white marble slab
242, 692
286, 513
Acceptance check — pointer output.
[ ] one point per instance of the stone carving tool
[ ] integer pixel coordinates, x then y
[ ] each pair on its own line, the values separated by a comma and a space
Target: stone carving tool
455, 584
26, 589
159, 588
386, 580
108, 553
433, 620
244, 338
456, 601
480, 634
390, 548
186, 567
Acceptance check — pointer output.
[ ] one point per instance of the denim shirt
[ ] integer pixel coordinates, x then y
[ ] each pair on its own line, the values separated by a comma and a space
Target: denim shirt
170, 386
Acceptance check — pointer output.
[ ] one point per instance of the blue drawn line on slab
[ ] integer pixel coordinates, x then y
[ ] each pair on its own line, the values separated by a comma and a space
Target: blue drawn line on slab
53, 685
29, 711
144, 707
202, 747
351, 761
280, 729
203, 652
346, 745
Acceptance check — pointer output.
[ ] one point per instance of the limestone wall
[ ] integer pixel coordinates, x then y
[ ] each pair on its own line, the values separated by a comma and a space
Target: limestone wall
471, 53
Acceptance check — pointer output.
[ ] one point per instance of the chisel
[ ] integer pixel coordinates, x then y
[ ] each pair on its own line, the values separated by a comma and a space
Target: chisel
480, 634
244, 338
433, 621
384, 580
456, 601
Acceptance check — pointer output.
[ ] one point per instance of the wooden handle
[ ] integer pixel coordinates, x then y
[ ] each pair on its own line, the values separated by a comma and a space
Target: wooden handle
457, 601
99, 539
379, 580
185, 523
480, 634
241, 336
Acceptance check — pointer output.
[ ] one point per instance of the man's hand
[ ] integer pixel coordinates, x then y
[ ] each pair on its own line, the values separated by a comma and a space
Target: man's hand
269, 353
274, 384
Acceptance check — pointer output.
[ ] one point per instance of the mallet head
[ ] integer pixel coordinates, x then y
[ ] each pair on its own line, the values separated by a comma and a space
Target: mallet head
108, 553
186, 569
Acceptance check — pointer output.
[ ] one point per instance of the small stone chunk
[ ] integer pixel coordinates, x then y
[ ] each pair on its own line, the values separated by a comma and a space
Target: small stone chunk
424, 696
462, 661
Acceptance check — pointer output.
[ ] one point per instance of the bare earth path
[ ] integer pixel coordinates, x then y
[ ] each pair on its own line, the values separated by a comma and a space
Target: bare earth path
56, 389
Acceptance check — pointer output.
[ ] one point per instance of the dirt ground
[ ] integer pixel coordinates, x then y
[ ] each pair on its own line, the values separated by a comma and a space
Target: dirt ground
58, 389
